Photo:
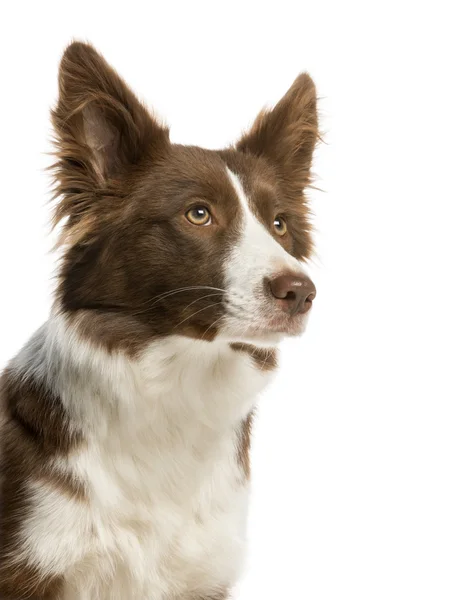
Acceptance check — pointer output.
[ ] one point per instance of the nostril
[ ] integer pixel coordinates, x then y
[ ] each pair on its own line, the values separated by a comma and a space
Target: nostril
290, 296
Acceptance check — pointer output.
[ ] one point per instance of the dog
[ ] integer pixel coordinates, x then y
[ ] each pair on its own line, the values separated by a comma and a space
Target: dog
126, 419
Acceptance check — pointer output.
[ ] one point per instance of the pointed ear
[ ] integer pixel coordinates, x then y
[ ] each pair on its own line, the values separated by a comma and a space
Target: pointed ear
102, 130
287, 134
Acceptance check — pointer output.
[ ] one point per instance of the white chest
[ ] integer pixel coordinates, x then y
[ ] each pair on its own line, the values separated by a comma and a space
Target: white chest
167, 494
159, 529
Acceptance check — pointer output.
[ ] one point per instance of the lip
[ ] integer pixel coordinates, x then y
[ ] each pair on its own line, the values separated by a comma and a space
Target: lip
268, 327
282, 325
287, 324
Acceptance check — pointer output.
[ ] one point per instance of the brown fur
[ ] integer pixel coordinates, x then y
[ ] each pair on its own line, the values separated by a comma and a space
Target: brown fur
26, 582
264, 358
35, 431
245, 445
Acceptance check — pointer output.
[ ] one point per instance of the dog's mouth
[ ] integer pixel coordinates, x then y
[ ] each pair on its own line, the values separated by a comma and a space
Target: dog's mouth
264, 327
288, 325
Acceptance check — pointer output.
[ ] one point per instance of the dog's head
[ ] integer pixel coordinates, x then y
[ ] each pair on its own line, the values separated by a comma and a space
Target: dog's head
178, 239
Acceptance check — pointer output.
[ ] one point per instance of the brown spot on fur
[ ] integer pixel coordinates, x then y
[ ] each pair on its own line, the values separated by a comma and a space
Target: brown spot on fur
38, 413
35, 431
217, 596
245, 444
264, 358
25, 582
64, 483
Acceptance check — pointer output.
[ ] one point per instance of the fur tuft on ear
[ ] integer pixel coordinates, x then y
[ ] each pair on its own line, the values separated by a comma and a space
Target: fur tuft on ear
286, 135
102, 132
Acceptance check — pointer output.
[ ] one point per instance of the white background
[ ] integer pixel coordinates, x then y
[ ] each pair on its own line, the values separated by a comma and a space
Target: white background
355, 489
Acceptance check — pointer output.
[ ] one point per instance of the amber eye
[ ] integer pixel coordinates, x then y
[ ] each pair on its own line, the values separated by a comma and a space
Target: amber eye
280, 226
199, 215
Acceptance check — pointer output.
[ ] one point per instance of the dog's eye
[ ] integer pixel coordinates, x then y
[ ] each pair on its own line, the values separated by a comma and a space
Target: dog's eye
280, 226
199, 215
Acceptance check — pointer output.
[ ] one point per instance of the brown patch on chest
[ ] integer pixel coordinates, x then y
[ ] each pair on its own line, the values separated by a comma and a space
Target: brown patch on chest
25, 581
244, 444
34, 431
38, 414
265, 359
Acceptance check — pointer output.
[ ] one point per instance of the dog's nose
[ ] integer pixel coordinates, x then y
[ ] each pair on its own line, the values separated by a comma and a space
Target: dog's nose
295, 291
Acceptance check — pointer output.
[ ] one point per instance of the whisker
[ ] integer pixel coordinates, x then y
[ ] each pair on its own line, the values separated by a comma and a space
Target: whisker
159, 297
197, 312
139, 312
201, 298
245, 330
212, 325
268, 356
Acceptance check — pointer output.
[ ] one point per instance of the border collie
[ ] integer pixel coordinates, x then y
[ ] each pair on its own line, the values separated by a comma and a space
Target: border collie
125, 420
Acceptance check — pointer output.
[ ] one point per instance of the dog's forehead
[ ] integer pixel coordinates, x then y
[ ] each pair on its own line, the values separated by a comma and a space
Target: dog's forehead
193, 172
190, 172
256, 176
258, 180
256, 172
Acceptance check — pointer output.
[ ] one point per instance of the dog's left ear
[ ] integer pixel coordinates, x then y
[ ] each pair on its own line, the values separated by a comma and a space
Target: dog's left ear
287, 134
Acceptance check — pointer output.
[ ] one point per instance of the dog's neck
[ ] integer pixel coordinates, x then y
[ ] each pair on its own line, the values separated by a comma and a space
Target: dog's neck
174, 379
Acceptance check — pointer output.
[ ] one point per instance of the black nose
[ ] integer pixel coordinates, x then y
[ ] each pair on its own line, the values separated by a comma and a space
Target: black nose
296, 292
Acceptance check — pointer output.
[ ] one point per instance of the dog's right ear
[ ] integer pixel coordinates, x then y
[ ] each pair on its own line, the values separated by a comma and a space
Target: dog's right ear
102, 130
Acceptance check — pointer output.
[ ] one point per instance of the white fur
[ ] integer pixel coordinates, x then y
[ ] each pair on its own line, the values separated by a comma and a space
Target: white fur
167, 498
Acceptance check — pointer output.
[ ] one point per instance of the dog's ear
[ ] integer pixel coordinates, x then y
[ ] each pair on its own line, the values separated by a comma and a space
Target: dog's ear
102, 130
287, 134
